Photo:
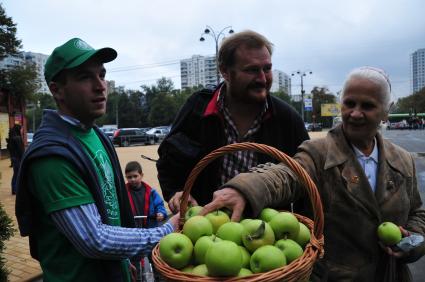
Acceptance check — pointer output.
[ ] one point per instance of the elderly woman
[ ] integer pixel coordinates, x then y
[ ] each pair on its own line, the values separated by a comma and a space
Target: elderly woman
363, 181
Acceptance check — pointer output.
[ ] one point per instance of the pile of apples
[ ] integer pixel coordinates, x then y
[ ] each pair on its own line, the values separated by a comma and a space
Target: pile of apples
212, 245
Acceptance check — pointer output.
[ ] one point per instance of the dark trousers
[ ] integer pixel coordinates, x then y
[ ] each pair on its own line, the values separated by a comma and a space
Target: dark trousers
15, 163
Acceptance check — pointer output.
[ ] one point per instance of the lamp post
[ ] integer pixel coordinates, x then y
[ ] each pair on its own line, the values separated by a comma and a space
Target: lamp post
216, 35
302, 74
34, 107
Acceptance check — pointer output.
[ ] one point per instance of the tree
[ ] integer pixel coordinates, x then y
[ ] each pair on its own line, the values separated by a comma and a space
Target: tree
9, 45
161, 102
282, 95
20, 81
163, 110
321, 95
163, 84
414, 103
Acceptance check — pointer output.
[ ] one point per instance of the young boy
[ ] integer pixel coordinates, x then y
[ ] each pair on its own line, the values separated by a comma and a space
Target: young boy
144, 200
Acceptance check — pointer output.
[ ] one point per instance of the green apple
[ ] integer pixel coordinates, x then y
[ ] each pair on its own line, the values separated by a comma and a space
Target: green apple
196, 227
231, 231
245, 221
227, 211
224, 259
267, 258
285, 225
389, 233
192, 211
200, 270
257, 233
290, 249
267, 214
217, 219
176, 250
303, 236
187, 269
244, 272
246, 257
201, 247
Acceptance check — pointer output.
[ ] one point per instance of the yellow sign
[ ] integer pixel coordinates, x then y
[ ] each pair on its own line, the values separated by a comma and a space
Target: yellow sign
4, 129
330, 110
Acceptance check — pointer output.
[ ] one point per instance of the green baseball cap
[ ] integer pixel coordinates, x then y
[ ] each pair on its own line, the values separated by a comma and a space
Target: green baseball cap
72, 54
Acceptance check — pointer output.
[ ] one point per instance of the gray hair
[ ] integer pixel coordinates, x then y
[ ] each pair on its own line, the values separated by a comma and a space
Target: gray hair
375, 75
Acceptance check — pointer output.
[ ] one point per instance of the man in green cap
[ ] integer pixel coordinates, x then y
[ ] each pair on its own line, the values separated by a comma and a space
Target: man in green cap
71, 198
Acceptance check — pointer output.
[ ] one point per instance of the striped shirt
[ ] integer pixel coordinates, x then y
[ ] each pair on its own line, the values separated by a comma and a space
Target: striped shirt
237, 162
83, 227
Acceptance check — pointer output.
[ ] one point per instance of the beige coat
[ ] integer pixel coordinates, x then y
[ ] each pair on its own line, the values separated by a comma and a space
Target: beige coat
352, 212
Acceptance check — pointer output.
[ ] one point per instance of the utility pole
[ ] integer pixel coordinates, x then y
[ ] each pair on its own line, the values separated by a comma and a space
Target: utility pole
302, 74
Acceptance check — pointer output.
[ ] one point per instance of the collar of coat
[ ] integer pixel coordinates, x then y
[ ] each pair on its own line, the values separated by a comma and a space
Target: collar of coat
339, 151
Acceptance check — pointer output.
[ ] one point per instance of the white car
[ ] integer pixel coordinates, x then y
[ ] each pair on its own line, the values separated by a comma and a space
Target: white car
158, 133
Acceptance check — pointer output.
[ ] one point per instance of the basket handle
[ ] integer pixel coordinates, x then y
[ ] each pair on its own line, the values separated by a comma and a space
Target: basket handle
271, 151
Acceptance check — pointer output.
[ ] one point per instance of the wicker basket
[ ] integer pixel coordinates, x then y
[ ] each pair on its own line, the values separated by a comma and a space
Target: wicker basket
298, 270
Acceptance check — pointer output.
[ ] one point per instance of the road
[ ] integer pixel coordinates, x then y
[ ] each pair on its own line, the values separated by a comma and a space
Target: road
414, 142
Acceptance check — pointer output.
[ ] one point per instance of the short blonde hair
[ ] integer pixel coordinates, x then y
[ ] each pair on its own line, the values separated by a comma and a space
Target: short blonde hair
247, 38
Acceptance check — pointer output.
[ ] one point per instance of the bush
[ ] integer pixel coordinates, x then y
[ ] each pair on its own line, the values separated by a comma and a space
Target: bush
6, 231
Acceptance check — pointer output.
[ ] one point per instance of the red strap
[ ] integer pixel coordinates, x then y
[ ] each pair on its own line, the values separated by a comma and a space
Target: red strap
147, 199
130, 198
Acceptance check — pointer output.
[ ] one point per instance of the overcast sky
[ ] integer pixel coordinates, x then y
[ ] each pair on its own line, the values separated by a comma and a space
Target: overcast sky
328, 37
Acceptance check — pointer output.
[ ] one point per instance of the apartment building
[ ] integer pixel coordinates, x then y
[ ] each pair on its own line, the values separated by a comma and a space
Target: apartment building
281, 82
417, 70
198, 70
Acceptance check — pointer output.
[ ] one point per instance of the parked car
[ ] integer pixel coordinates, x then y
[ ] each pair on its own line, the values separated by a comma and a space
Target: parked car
313, 126
110, 134
29, 137
128, 136
158, 133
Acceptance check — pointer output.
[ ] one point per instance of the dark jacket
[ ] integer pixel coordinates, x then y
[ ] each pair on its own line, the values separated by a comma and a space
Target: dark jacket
352, 212
55, 139
196, 132
15, 144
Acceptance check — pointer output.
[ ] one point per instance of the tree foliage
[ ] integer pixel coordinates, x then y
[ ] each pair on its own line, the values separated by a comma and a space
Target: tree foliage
321, 95
6, 231
414, 103
21, 81
282, 95
9, 44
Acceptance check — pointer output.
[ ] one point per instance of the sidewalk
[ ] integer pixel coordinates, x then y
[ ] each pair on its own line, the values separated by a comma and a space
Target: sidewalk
17, 255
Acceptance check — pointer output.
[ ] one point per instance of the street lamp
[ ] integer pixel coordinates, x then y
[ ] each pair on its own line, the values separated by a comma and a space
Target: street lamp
209, 31
302, 74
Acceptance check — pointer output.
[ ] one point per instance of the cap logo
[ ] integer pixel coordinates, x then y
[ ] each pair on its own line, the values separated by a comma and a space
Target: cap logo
80, 44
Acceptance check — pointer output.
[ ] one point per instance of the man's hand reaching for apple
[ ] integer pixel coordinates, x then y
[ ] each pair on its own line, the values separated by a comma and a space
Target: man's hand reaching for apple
229, 198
